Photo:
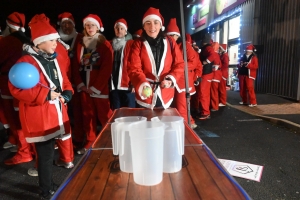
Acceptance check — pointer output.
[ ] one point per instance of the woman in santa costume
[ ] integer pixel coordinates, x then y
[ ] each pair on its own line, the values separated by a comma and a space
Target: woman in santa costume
91, 74
155, 63
217, 76
122, 93
43, 112
247, 74
180, 92
225, 63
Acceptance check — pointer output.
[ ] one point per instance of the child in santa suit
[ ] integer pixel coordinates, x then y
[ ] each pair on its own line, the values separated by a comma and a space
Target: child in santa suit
91, 73
247, 74
225, 63
43, 112
155, 63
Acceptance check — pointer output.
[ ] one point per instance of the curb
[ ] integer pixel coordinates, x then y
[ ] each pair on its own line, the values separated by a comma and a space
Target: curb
281, 122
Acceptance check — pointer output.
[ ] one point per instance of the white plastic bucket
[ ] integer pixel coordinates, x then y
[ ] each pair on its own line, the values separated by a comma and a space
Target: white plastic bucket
121, 140
147, 152
173, 142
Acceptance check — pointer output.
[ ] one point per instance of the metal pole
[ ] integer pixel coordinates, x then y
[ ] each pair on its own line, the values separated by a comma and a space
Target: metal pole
186, 78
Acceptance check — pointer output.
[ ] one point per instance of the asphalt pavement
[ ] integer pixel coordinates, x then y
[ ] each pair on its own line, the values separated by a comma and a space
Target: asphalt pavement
266, 135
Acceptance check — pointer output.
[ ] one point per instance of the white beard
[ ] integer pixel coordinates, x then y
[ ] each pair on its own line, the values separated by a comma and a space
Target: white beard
90, 42
6, 32
65, 37
118, 43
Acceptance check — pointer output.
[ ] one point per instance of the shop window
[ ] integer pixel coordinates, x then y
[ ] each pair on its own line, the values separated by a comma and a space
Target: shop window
234, 28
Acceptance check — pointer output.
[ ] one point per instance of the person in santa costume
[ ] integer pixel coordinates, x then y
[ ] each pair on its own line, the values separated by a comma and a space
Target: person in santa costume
11, 51
180, 93
43, 112
207, 57
69, 36
247, 74
225, 63
217, 76
122, 92
92, 71
155, 63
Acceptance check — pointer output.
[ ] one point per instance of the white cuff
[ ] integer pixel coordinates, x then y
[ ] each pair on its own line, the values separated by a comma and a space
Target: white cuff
79, 86
95, 90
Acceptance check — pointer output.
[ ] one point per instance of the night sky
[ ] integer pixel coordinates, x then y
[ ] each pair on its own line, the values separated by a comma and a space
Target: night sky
108, 10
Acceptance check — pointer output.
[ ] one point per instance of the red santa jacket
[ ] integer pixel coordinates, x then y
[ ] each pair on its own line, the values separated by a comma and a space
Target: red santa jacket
225, 63
42, 120
124, 81
98, 67
252, 65
142, 70
62, 54
192, 64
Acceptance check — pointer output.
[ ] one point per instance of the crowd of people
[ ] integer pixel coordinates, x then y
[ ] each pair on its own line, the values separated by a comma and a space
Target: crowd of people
85, 76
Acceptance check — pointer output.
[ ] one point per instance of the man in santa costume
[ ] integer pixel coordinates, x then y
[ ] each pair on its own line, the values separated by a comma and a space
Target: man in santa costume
155, 63
225, 63
69, 36
43, 112
180, 100
217, 76
91, 75
207, 57
122, 92
247, 74
11, 51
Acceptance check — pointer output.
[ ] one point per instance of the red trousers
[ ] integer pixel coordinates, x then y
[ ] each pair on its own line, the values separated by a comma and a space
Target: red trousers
247, 89
3, 120
65, 149
93, 108
222, 91
215, 89
17, 136
179, 103
204, 96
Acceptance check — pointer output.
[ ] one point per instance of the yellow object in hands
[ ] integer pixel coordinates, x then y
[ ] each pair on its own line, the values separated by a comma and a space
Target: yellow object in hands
147, 92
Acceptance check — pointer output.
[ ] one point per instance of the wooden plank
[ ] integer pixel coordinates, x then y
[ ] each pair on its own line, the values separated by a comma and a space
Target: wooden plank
104, 138
163, 190
80, 178
224, 184
136, 191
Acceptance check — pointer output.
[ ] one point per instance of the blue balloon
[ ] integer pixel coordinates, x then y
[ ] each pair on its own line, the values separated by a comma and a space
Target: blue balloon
24, 75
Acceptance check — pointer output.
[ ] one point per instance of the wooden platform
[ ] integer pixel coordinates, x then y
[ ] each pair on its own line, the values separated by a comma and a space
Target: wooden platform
97, 175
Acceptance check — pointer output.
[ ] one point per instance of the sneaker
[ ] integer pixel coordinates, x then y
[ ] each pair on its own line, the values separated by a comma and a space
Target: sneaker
252, 105
8, 145
221, 105
17, 159
33, 172
67, 165
14, 149
204, 117
213, 110
193, 126
81, 151
242, 103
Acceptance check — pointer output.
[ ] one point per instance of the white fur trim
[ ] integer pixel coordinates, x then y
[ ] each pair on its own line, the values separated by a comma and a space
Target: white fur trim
79, 86
148, 17
173, 33
93, 21
15, 27
44, 38
95, 90
122, 24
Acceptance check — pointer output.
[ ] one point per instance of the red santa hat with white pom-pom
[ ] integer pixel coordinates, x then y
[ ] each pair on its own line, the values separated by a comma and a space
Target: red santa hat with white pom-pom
65, 16
122, 22
153, 13
16, 21
250, 48
94, 19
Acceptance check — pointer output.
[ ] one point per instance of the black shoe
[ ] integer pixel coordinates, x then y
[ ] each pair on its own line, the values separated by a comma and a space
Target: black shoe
47, 195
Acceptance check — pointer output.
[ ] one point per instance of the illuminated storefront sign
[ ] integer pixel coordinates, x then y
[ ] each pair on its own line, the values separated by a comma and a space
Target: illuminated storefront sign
223, 6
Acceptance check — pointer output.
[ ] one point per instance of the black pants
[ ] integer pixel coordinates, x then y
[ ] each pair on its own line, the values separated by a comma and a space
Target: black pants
45, 152
122, 98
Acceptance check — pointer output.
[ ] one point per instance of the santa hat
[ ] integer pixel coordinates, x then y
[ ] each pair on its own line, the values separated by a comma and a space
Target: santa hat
153, 13
121, 22
65, 16
16, 21
95, 19
215, 46
188, 38
172, 28
41, 29
250, 48
223, 47
138, 33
